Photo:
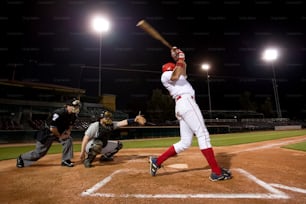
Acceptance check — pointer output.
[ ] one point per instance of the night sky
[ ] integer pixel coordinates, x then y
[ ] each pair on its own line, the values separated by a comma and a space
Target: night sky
52, 42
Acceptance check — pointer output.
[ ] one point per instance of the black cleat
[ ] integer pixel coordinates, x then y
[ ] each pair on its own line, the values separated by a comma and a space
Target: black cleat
20, 163
153, 165
87, 163
104, 158
225, 175
67, 163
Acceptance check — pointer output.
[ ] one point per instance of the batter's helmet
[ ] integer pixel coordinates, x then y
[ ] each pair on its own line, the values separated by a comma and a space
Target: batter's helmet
168, 67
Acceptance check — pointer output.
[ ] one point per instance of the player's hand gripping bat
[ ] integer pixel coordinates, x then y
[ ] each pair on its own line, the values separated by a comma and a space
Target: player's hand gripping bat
154, 33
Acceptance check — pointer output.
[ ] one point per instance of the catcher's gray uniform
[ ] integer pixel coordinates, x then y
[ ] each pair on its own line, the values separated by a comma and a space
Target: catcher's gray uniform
96, 132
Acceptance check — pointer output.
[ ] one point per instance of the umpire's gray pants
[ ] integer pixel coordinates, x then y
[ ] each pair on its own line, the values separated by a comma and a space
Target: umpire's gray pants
41, 150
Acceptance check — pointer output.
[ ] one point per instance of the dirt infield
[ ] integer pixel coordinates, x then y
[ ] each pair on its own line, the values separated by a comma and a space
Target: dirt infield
263, 173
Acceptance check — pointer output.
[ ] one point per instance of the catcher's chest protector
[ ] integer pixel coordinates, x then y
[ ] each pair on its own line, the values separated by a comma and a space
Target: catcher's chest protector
105, 132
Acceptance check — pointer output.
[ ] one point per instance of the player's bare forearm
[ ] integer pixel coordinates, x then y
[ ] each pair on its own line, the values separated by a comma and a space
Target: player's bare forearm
83, 147
138, 119
55, 132
69, 129
122, 123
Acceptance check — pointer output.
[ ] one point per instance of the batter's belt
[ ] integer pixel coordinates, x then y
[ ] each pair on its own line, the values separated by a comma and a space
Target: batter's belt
183, 96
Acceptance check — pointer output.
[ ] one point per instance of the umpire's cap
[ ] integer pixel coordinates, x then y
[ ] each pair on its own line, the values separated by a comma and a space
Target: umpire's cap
73, 102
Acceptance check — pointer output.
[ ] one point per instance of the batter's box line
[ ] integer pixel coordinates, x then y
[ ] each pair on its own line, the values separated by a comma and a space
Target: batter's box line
273, 193
294, 189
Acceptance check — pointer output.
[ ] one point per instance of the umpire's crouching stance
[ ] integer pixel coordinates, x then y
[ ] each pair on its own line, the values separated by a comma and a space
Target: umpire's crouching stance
96, 139
58, 129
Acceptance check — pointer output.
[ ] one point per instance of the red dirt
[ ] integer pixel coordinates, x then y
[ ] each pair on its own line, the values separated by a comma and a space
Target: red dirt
48, 182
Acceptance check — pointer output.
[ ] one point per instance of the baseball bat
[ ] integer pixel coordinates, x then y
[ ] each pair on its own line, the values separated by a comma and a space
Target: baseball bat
154, 33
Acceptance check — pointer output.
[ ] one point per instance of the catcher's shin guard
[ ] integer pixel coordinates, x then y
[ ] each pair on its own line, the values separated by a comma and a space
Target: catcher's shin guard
90, 157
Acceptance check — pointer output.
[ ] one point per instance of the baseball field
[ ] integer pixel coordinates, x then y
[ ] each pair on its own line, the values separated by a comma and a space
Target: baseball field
267, 167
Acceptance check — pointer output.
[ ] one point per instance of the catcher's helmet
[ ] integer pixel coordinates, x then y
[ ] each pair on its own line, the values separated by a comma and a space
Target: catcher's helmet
168, 67
105, 114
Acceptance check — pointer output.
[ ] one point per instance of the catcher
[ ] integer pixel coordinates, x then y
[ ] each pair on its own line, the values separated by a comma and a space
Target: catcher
96, 139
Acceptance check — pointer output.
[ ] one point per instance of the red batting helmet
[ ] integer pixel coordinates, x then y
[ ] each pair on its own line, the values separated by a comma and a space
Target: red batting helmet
168, 67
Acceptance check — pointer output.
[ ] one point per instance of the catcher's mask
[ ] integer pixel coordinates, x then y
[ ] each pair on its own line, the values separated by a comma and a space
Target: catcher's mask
107, 116
168, 67
76, 104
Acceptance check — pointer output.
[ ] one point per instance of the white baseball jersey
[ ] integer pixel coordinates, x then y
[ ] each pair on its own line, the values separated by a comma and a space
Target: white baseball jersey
176, 88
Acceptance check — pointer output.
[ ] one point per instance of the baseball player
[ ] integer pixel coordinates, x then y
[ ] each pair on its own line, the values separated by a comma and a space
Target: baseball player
96, 139
58, 129
191, 121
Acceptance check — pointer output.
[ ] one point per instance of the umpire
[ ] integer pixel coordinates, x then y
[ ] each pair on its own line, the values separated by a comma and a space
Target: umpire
58, 129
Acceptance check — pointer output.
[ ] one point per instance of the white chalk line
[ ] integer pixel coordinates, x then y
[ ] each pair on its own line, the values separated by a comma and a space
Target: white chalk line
184, 196
294, 189
269, 146
272, 192
100, 184
263, 184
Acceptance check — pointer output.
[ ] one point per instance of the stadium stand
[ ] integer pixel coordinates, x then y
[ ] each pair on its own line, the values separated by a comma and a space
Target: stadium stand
25, 107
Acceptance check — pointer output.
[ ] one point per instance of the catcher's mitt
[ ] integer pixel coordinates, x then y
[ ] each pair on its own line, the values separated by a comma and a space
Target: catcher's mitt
140, 120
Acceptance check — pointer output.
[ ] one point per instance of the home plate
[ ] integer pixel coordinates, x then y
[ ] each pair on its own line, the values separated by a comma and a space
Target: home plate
178, 166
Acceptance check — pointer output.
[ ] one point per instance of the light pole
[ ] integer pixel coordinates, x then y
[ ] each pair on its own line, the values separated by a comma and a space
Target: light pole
270, 55
206, 68
100, 25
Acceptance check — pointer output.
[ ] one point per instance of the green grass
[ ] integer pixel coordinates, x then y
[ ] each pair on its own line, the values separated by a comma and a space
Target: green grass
299, 146
216, 140
250, 137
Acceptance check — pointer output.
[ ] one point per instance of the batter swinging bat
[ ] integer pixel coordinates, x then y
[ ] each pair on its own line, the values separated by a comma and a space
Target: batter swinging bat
154, 33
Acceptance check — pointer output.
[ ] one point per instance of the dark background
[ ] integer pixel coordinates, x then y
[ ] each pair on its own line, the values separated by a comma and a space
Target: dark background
52, 42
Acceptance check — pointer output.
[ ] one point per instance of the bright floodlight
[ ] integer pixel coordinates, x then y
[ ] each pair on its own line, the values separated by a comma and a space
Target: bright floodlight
270, 54
100, 24
205, 66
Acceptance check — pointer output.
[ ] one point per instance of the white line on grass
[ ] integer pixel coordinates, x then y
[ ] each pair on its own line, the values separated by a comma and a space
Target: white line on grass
269, 146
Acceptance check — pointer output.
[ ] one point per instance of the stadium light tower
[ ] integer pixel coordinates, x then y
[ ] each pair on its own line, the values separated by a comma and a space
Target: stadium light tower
270, 55
100, 25
206, 67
